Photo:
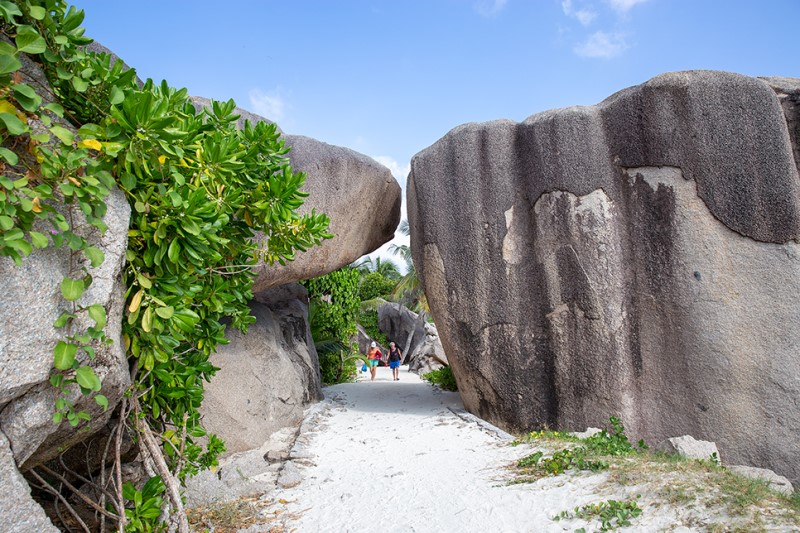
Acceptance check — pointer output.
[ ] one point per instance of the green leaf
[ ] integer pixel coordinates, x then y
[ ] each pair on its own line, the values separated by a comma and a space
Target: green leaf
95, 255
13, 124
37, 12
128, 181
64, 134
80, 84
9, 64
72, 289
38, 240
144, 281
147, 320
177, 201
29, 41
6, 222
165, 312
27, 97
87, 379
116, 96
21, 246
9, 156
61, 321
190, 226
174, 250
9, 10
64, 355
102, 401
98, 313
58, 417
54, 108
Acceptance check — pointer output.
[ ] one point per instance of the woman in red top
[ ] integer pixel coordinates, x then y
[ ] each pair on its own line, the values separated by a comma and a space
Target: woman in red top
373, 357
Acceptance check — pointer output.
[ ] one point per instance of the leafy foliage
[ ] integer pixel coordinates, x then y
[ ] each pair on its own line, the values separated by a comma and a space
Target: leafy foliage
375, 285
612, 514
332, 317
369, 321
442, 377
588, 456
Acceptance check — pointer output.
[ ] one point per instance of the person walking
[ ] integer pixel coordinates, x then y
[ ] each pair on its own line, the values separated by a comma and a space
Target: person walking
395, 357
373, 358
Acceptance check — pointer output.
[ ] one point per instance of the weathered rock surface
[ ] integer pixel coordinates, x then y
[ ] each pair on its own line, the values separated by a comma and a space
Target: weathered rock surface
398, 322
691, 448
266, 377
359, 195
19, 512
635, 258
30, 301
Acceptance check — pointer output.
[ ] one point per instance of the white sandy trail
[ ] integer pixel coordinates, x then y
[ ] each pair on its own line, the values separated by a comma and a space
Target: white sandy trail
388, 456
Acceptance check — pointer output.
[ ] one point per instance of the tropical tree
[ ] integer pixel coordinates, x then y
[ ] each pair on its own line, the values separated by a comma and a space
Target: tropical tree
385, 267
409, 288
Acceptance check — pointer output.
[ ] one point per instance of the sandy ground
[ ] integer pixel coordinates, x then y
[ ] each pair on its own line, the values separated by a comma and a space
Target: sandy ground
402, 457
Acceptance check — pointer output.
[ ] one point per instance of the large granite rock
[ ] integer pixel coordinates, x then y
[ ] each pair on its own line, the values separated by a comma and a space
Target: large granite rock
359, 195
397, 322
268, 376
636, 258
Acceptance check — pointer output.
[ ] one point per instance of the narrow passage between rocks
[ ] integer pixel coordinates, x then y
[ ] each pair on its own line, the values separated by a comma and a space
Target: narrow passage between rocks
404, 457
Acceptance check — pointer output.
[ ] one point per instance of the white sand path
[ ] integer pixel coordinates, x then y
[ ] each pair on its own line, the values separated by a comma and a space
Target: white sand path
388, 456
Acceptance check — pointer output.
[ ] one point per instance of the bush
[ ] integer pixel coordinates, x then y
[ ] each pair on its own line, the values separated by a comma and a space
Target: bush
369, 321
375, 285
443, 378
332, 317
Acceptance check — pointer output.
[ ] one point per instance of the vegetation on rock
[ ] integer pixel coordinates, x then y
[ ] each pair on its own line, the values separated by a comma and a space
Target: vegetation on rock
199, 189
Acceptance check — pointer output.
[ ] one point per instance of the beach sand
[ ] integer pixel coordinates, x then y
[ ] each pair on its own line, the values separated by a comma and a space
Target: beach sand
402, 456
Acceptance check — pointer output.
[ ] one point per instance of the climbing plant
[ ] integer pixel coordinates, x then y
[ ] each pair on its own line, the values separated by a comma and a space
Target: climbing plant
199, 190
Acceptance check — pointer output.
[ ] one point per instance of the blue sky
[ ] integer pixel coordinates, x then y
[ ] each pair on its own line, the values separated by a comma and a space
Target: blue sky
389, 77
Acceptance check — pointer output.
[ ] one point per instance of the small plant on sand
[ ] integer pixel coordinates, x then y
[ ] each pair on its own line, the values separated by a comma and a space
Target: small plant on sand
588, 456
442, 377
612, 514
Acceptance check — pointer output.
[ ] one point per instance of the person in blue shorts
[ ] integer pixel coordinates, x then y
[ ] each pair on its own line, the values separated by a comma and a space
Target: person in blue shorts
395, 357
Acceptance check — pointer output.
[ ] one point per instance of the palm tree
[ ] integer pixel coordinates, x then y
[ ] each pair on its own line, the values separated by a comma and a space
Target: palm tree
409, 288
385, 267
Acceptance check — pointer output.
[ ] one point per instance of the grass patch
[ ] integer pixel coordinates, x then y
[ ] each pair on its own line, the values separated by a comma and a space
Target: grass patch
231, 516
703, 494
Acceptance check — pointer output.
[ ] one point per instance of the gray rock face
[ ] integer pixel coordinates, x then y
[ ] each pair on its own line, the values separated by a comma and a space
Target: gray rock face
359, 195
30, 301
397, 323
633, 258
266, 377
18, 511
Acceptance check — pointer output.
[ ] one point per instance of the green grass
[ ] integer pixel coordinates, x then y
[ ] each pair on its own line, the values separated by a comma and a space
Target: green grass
709, 496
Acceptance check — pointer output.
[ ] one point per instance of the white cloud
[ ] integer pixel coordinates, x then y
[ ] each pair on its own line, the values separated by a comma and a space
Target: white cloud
584, 16
399, 172
489, 8
602, 44
268, 105
624, 6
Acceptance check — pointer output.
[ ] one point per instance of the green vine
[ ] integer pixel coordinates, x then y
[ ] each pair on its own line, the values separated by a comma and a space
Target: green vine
199, 190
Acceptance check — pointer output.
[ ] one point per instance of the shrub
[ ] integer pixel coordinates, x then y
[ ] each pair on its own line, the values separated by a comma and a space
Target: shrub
375, 285
333, 308
442, 377
369, 321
